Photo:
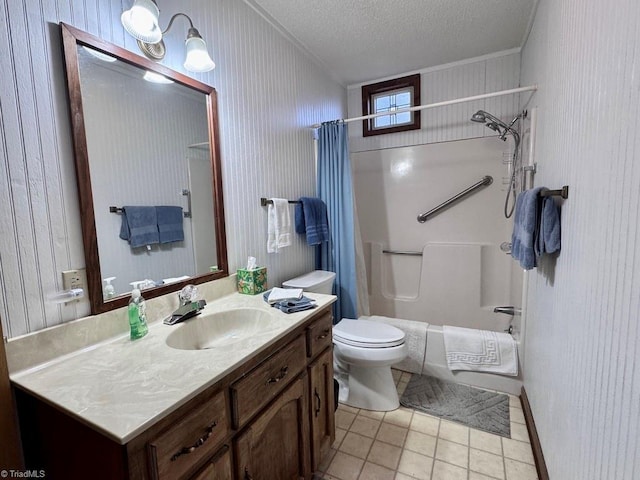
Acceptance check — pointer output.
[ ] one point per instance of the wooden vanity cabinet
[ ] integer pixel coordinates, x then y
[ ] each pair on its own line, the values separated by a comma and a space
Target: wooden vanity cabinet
270, 418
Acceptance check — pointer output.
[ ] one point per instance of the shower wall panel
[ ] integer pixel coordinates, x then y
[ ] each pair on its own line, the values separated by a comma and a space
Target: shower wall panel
462, 273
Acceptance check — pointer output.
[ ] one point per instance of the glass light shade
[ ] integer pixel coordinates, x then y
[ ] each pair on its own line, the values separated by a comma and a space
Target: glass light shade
141, 21
197, 59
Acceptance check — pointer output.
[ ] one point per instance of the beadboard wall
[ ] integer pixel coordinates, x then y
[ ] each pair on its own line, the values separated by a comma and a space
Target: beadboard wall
487, 74
583, 335
269, 92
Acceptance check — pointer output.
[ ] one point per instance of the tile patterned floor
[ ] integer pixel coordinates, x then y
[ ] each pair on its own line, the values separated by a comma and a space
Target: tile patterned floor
406, 444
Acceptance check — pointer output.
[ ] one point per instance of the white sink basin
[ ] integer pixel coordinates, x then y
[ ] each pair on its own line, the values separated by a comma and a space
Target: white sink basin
222, 329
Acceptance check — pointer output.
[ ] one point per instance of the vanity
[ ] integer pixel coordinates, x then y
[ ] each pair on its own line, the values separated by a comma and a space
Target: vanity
256, 402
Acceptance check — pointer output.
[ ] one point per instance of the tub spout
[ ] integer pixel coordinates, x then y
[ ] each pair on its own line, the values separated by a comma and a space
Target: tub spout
510, 310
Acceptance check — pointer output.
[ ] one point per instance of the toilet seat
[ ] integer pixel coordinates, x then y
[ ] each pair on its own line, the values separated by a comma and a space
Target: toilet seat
367, 334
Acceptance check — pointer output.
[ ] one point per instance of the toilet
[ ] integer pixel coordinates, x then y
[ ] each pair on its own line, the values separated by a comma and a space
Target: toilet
363, 354
318, 281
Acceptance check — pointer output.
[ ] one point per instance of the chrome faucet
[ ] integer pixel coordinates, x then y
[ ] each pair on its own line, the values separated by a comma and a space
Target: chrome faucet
510, 310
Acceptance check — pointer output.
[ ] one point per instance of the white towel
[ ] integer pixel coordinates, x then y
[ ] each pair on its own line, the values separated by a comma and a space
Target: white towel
480, 350
415, 340
279, 225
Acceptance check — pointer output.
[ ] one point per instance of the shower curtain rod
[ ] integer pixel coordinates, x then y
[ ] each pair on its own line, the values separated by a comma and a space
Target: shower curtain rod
531, 88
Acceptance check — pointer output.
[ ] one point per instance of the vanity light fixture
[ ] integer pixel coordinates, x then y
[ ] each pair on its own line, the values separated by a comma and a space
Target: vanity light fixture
141, 21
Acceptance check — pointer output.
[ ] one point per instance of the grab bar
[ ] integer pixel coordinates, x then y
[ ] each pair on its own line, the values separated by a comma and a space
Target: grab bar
403, 252
187, 193
486, 181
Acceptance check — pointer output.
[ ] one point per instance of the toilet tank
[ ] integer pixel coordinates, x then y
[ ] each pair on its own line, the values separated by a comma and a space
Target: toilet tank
318, 281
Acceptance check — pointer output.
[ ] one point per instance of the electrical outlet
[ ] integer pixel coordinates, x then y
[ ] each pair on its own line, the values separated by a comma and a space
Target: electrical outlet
73, 279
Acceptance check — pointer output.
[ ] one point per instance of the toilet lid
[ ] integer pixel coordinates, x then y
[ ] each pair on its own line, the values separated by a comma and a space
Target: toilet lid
367, 334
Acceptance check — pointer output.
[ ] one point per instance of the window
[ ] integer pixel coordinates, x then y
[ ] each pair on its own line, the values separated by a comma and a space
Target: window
390, 96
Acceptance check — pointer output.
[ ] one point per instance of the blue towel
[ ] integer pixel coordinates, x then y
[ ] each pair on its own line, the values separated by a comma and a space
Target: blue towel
549, 234
291, 305
525, 228
311, 218
139, 226
170, 224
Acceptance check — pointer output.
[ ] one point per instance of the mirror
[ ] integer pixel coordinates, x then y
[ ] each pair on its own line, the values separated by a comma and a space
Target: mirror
152, 148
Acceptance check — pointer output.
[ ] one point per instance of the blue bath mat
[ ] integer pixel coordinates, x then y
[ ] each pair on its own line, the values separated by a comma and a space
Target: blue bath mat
473, 407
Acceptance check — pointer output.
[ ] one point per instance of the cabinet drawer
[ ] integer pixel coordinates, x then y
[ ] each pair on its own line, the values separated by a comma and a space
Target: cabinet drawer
262, 384
195, 437
319, 334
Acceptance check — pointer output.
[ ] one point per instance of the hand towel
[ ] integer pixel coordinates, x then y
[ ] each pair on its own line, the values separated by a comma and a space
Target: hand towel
311, 218
549, 234
480, 350
415, 340
170, 223
279, 225
525, 227
139, 226
293, 306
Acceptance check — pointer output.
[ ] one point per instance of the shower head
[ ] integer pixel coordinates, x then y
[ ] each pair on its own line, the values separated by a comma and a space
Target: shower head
478, 117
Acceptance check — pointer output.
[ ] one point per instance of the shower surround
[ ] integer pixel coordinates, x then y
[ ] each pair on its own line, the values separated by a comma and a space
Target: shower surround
459, 274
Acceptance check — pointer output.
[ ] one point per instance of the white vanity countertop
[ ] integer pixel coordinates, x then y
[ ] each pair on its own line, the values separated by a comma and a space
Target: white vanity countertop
122, 387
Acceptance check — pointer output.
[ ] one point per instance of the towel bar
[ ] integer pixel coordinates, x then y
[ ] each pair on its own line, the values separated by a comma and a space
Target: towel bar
403, 252
563, 192
266, 201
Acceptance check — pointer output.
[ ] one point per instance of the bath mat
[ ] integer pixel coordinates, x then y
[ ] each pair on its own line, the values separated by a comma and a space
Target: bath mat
476, 408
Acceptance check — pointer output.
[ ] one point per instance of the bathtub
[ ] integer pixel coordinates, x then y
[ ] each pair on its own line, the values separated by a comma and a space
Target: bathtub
436, 365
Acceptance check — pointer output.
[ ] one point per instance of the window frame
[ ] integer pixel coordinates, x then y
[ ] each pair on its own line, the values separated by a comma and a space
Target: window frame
375, 89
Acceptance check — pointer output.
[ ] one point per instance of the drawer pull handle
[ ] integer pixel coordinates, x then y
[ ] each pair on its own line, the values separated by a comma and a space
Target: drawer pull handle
319, 402
246, 475
199, 442
280, 376
325, 334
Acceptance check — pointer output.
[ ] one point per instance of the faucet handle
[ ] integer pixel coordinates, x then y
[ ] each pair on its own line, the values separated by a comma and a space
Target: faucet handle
188, 294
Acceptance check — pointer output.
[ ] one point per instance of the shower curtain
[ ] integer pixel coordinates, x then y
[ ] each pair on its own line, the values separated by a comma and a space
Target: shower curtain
343, 253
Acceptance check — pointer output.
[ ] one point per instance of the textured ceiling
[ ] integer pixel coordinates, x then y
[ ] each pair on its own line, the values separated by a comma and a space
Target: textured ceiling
361, 40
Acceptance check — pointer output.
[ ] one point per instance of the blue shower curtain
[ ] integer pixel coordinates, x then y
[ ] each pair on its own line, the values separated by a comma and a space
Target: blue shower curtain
335, 188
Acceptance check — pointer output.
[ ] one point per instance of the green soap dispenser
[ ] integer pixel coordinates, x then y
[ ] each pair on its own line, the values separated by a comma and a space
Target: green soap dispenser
137, 315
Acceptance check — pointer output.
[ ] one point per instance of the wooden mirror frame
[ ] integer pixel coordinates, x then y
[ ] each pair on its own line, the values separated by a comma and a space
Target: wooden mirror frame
72, 37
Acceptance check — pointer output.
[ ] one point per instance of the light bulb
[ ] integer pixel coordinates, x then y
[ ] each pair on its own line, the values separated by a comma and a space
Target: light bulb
197, 59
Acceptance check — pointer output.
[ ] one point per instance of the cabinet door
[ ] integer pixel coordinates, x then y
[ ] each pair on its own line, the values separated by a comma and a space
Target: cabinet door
219, 468
321, 407
276, 444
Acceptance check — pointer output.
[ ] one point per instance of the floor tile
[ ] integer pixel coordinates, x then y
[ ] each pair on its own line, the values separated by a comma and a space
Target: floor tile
516, 415
340, 433
454, 432
372, 414
348, 408
401, 387
485, 441
445, 471
402, 476
344, 419
392, 434
396, 374
356, 445
400, 416
425, 424
371, 471
479, 476
519, 471
452, 453
365, 426
415, 465
486, 463
345, 467
517, 450
384, 454
420, 443
519, 432
514, 402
